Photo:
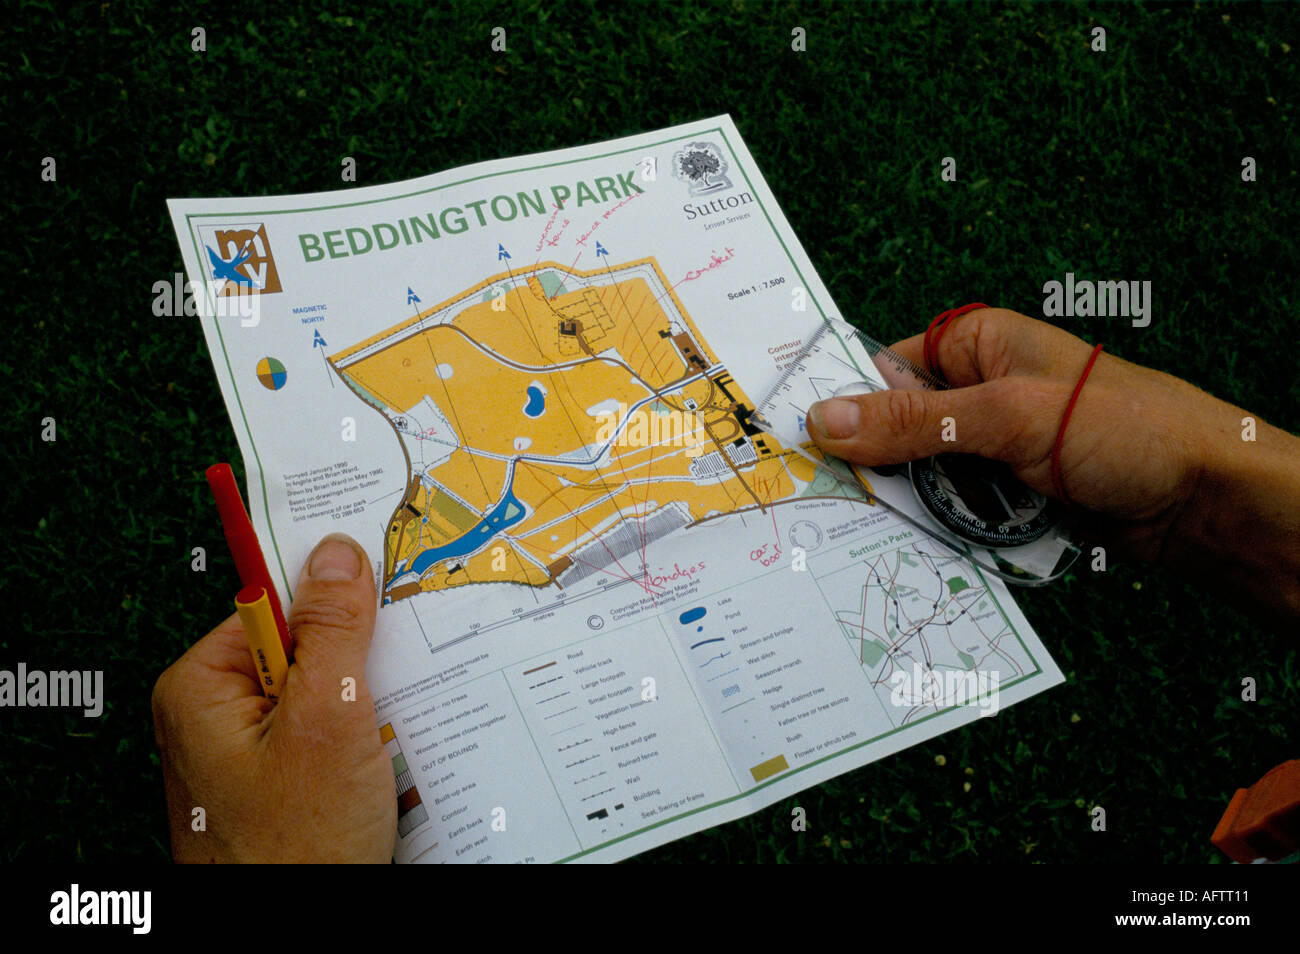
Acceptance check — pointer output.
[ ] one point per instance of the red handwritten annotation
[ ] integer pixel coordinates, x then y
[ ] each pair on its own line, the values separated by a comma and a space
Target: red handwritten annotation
714, 261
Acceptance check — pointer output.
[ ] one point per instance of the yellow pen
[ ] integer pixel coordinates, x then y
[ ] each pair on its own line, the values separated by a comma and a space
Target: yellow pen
263, 640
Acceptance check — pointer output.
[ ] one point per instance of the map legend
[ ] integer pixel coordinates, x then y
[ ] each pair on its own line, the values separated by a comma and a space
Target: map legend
411, 813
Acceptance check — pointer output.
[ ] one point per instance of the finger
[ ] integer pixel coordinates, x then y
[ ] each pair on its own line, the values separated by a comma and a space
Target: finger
219, 665
333, 614
957, 355
1000, 419
990, 343
226, 648
911, 349
215, 678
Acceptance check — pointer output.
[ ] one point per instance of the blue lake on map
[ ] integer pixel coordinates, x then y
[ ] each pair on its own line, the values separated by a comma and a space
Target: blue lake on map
536, 401
504, 515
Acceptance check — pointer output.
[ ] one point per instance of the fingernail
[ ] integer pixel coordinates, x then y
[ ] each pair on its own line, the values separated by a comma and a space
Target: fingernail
335, 558
836, 418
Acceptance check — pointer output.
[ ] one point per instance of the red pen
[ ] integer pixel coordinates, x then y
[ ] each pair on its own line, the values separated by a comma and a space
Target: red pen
244, 547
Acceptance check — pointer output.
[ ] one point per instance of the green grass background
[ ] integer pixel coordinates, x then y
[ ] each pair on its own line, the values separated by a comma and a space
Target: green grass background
1123, 164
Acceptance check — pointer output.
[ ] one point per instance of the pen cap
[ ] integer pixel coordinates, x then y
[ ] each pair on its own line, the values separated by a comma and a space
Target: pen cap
230, 505
250, 596
259, 624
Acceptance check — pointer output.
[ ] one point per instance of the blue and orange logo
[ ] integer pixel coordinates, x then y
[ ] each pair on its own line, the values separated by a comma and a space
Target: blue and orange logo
239, 260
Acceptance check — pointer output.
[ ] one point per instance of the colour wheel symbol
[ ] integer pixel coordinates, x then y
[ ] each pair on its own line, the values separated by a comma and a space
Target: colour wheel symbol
271, 373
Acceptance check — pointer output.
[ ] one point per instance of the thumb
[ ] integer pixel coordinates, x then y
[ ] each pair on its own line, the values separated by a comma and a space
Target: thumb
895, 426
333, 614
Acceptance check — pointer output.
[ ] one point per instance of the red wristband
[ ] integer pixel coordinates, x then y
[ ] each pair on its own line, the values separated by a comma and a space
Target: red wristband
1065, 419
938, 327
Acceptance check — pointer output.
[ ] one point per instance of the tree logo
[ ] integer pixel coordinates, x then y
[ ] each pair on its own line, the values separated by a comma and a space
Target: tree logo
701, 166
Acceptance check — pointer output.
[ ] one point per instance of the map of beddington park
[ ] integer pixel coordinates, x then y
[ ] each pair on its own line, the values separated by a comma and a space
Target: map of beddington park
564, 428
554, 423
